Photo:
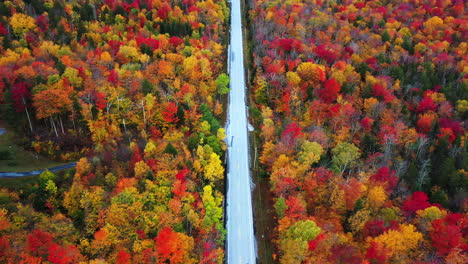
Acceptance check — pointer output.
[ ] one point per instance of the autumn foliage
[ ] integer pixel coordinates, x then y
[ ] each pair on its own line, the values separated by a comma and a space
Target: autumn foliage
134, 91
380, 87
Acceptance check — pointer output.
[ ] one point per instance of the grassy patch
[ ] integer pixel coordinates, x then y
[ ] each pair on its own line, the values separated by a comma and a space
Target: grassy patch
14, 158
23, 184
18, 183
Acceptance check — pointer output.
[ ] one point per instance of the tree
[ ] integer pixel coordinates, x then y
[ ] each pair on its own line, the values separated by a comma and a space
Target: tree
170, 149
20, 95
123, 257
213, 170
344, 156
376, 254
291, 133
280, 207
53, 101
174, 247
400, 242
147, 87
447, 233
417, 201
22, 23
310, 153
309, 71
345, 254
72, 76
64, 255
377, 197
294, 243
386, 177
330, 91
169, 113
304, 230
374, 228
213, 209
38, 242
222, 84
296, 207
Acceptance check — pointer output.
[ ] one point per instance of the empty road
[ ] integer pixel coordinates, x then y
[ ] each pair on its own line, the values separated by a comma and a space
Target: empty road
239, 223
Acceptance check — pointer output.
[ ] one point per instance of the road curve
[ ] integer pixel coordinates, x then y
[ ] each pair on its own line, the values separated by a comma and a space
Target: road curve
241, 247
37, 172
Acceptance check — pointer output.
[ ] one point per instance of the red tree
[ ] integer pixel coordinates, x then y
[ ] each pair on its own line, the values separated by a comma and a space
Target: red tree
123, 257
169, 113
386, 176
426, 104
39, 242
345, 254
164, 10
447, 233
101, 101
169, 246
63, 255
113, 77
20, 93
417, 201
314, 242
291, 133
376, 254
373, 228
330, 91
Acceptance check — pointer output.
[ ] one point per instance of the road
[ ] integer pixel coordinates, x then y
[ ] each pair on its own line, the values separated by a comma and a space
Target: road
241, 247
37, 172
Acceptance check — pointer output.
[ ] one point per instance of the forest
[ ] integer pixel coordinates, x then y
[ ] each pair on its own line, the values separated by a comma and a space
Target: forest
135, 92
362, 109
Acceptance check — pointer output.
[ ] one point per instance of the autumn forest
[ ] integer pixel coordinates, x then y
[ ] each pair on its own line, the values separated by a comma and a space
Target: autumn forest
359, 112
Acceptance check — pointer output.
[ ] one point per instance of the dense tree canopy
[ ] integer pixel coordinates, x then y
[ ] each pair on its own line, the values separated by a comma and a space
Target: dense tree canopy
131, 89
360, 106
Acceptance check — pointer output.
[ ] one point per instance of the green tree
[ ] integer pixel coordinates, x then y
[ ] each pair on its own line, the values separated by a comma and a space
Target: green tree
280, 207
170, 149
146, 87
222, 84
213, 209
344, 156
304, 231
294, 244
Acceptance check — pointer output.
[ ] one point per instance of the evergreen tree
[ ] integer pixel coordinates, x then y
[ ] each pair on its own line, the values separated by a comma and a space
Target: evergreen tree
170, 149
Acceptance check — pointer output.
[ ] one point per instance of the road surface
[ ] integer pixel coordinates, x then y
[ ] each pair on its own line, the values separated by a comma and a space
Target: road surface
37, 172
239, 222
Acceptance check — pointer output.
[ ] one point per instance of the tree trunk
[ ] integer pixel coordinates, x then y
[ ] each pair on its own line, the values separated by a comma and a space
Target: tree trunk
27, 114
29, 120
53, 125
144, 114
73, 121
61, 125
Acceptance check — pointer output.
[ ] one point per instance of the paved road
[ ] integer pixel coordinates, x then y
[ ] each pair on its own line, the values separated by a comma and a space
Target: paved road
241, 247
37, 172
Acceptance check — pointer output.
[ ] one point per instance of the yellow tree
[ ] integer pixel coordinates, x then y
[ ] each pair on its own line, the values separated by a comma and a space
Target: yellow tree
377, 197
309, 71
213, 170
22, 23
294, 242
400, 243
310, 153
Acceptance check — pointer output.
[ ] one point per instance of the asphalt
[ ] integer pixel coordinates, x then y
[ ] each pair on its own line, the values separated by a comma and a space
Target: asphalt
240, 244
37, 172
